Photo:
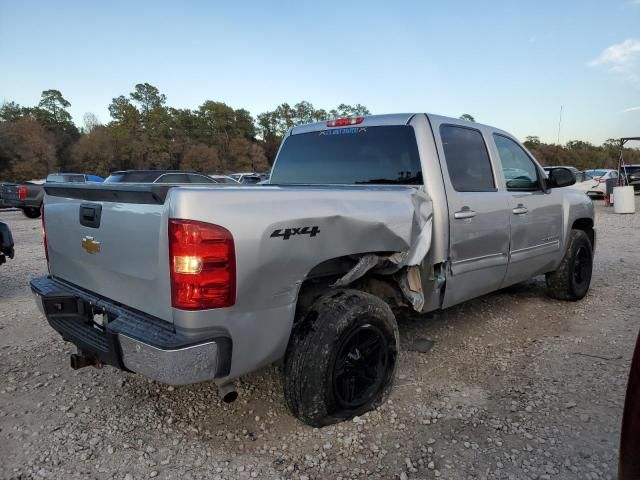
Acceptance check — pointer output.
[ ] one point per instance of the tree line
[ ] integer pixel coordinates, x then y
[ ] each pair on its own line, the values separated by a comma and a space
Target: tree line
580, 154
144, 132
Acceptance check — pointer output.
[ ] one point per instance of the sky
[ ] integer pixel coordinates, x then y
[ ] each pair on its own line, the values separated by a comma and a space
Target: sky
510, 64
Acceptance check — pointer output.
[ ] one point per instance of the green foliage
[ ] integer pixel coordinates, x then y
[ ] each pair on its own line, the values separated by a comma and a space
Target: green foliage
466, 116
580, 154
11, 112
273, 125
213, 138
27, 150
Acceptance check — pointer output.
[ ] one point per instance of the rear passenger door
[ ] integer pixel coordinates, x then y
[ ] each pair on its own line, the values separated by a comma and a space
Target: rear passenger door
536, 215
478, 214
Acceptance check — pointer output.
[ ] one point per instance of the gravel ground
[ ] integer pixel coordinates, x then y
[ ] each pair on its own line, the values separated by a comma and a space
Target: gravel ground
516, 386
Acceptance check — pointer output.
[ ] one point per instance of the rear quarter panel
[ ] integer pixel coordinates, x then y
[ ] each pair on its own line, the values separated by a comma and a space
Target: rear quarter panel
271, 269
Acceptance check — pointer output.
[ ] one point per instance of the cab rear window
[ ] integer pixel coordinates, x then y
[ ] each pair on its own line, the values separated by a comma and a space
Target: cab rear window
350, 156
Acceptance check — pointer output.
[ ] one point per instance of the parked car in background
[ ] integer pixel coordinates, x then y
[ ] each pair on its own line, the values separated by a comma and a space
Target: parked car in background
582, 177
251, 179
6, 243
4, 203
158, 176
73, 178
27, 196
239, 176
595, 182
632, 173
224, 179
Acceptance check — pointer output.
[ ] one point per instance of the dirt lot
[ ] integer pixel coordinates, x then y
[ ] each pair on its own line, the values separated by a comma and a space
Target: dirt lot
516, 386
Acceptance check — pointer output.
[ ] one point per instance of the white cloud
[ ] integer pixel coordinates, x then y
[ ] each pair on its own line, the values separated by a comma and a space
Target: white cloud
622, 58
632, 109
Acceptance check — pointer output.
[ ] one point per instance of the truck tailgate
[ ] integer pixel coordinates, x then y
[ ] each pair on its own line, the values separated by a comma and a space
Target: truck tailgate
9, 192
112, 241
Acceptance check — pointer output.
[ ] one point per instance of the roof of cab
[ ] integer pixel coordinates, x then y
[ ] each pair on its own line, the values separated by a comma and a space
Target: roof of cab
390, 119
369, 121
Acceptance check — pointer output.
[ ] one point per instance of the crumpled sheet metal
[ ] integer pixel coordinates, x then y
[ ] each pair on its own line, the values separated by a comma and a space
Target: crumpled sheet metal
408, 262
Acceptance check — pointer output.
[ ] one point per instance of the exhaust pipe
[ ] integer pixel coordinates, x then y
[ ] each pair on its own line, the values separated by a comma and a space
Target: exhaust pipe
80, 360
228, 392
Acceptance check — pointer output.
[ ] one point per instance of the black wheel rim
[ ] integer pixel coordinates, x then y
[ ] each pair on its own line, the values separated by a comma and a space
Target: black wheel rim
361, 366
582, 266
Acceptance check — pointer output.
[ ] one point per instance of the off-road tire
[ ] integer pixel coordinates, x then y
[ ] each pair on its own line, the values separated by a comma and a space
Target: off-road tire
31, 212
330, 327
566, 283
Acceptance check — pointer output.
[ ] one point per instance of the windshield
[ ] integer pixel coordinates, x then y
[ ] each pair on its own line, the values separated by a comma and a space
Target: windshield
350, 156
596, 173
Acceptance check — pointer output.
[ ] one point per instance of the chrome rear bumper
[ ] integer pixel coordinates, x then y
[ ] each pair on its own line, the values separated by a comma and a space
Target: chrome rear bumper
192, 364
129, 340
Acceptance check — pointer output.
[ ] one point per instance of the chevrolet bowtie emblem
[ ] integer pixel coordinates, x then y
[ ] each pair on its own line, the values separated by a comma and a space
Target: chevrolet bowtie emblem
90, 245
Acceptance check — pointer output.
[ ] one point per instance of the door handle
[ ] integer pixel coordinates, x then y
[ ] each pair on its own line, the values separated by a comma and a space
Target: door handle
520, 210
464, 213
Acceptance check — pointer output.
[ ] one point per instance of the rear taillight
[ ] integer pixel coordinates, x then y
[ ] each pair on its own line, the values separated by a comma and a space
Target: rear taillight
344, 122
22, 192
44, 234
203, 265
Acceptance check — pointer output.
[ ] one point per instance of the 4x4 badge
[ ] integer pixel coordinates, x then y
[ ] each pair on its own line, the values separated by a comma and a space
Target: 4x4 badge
290, 232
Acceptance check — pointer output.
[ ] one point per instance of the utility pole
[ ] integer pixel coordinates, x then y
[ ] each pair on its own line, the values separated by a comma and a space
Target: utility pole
559, 124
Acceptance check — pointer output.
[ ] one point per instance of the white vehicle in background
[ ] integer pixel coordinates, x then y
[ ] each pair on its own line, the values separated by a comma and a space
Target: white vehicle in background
238, 177
224, 179
595, 182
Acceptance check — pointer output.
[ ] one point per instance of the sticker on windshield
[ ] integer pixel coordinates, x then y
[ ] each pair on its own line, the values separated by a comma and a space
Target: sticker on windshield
344, 131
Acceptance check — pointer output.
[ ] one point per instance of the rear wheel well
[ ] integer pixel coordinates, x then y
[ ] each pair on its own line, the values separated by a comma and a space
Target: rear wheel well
320, 279
586, 225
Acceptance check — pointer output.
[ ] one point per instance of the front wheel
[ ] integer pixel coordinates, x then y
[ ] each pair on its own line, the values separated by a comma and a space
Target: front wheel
341, 358
31, 212
572, 279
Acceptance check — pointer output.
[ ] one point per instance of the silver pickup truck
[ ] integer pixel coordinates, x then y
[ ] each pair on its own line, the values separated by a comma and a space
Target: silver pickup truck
363, 217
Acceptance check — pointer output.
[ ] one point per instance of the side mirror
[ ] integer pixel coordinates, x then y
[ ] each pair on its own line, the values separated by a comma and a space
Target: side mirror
560, 177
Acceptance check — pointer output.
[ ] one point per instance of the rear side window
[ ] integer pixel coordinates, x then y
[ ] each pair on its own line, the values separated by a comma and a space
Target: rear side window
467, 159
350, 156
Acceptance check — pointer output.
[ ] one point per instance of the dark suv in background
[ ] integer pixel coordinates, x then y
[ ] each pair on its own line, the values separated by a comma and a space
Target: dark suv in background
632, 173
